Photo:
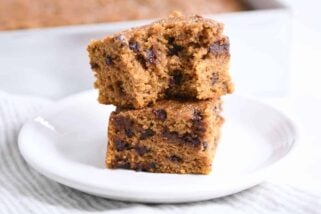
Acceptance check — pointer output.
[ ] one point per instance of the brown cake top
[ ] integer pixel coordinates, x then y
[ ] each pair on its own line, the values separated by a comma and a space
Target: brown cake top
180, 56
176, 19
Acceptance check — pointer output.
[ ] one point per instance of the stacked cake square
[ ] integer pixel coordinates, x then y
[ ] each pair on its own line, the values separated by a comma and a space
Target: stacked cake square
166, 80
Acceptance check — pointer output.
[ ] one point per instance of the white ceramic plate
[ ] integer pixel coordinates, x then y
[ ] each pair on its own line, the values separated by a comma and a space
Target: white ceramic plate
68, 143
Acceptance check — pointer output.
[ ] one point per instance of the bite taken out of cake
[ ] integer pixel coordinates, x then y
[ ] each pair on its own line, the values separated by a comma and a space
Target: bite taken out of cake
168, 59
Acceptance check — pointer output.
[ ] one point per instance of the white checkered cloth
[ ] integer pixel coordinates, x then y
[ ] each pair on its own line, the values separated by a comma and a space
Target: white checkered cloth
23, 190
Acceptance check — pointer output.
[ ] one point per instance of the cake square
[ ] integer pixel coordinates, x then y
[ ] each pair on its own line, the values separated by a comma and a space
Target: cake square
172, 58
170, 137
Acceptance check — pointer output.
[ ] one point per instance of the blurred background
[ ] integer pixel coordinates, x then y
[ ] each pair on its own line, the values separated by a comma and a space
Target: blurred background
275, 44
275, 49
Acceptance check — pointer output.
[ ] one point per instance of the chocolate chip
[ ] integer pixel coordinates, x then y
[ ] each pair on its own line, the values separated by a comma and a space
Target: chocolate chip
122, 39
94, 65
151, 55
175, 159
176, 79
174, 50
200, 37
141, 150
170, 135
197, 124
187, 138
141, 59
145, 167
108, 60
129, 133
170, 40
197, 116
213, 78
146, 134
123, 165
199, 127
160, 114
193, 140
134, 46
217, 48
124, 124
121, 145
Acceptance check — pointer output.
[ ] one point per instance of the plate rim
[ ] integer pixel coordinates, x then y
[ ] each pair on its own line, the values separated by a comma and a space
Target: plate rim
117, 193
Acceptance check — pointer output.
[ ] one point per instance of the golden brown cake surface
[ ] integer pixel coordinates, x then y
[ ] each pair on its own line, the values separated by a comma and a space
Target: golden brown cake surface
169, 137
15, 14
175, 57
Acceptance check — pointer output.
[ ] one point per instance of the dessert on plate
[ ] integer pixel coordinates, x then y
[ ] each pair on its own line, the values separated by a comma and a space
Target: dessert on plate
170, 137
166, 80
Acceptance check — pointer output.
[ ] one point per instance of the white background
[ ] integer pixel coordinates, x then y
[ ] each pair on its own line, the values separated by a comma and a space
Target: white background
303, 103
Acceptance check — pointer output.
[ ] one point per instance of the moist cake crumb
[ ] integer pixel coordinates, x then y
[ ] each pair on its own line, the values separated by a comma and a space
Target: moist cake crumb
177, 57
169, 137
